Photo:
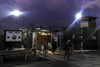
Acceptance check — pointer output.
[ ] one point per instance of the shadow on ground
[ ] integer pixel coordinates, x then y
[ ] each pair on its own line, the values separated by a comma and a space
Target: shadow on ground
11, 61
61, 64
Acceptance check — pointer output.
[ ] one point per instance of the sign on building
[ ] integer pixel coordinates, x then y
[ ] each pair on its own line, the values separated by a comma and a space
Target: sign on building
93, 37
41, 39
13, 35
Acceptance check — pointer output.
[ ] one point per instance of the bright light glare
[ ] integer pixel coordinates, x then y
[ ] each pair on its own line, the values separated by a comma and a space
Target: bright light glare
78, 15
16, 13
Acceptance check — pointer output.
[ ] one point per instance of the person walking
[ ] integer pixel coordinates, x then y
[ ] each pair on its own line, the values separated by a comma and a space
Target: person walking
45, 49
54, 46
68, 49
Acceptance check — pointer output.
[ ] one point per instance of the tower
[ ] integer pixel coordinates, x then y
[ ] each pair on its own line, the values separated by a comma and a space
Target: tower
88, 22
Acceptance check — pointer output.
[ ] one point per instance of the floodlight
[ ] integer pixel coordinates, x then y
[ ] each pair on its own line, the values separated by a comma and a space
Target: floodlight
78, 15
16, 13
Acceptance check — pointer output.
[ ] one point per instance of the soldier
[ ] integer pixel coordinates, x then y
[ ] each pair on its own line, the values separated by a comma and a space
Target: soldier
54, 46
68, 49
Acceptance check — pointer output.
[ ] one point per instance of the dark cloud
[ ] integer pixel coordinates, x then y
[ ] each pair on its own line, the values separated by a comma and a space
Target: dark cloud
11, 2
4, 1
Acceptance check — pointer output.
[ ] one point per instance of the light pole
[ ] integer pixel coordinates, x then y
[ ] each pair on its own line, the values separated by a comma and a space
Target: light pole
78, 16
16, 13
23, 23
0, 32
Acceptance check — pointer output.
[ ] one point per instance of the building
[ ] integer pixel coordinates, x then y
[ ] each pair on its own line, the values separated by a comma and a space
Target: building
86, 36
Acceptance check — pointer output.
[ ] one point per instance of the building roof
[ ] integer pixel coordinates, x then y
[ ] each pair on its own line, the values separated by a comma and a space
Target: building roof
88, 17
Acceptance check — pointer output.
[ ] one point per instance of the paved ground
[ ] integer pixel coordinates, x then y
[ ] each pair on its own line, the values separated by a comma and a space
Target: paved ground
87, 59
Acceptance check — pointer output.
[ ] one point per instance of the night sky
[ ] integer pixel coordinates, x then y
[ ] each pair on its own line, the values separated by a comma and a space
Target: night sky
46, 12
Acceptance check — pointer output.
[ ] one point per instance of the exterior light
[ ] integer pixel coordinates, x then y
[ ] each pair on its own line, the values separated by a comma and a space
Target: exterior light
78, 16
16, 13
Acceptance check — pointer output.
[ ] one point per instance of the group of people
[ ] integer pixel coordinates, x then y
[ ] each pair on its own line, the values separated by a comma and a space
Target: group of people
68, 48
